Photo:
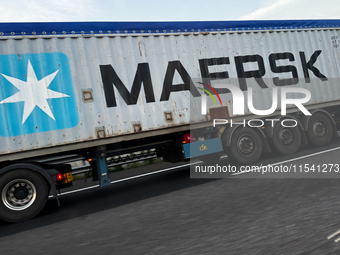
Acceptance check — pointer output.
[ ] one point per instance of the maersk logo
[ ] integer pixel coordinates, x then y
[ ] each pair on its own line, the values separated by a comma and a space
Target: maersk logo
37, 94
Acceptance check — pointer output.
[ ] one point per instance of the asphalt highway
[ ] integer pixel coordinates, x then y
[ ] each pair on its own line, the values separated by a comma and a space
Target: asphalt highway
170, 213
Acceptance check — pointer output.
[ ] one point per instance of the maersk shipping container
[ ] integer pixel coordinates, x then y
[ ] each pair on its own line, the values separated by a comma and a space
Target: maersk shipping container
103, 89
71, 85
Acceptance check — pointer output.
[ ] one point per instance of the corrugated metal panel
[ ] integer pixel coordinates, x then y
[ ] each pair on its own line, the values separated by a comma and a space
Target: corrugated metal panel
83, 114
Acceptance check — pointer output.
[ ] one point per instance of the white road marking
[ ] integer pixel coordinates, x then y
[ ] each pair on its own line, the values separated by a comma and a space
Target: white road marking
334, 234
171, 168
129, 178
156, 172
290, 160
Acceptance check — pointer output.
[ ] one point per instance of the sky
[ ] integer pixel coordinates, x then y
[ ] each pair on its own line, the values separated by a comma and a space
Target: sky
157, 10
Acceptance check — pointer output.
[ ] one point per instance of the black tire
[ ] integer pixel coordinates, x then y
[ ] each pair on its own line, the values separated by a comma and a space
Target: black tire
286, 140
246, 146
320, 130
23, 194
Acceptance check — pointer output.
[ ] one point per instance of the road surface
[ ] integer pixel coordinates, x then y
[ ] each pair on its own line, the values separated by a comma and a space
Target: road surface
171, 213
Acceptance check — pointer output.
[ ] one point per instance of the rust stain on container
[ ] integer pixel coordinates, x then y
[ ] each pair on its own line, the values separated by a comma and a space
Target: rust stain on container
141, 47
100, 131
168, 116
87, 95
140, 51
219, 112
137, 127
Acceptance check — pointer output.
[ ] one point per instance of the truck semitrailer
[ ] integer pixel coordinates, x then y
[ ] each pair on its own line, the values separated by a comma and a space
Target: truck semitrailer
102, 89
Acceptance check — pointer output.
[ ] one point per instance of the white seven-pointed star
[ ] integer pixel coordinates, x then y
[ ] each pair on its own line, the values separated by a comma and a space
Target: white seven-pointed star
33, 92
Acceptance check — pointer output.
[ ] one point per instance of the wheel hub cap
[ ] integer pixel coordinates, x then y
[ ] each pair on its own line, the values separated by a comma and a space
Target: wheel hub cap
18, 194
319, 129
286, 136
246, 145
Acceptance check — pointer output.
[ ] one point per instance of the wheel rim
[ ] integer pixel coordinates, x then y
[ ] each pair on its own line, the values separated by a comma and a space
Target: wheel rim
286, 136
319, 129
19, 194
246, 144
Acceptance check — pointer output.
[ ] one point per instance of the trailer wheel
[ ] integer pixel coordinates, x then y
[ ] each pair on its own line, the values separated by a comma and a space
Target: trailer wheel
23, 195
245, 147
320, 130
286, 140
